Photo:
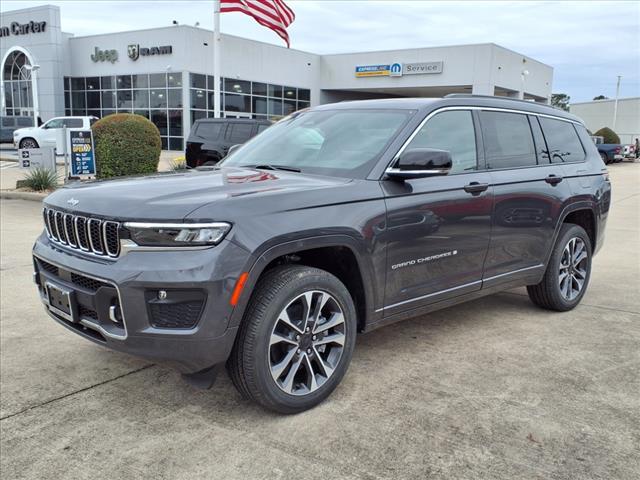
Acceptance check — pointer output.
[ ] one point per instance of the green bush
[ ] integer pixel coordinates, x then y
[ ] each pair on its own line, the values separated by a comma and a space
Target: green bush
40, 179
126, 144
609, 135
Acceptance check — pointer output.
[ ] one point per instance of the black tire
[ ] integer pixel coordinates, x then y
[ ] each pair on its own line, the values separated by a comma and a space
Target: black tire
28, 143
547, 294
249, 365
605, 159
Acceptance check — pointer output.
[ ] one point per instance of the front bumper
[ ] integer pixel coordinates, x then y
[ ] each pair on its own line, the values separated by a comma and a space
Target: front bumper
110, 301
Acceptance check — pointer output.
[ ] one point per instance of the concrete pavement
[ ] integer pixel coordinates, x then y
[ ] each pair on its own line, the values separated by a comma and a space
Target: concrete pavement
495, 388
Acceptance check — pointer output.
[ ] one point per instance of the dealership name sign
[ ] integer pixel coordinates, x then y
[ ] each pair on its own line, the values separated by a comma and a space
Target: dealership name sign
398, 69
23, 28
134, 51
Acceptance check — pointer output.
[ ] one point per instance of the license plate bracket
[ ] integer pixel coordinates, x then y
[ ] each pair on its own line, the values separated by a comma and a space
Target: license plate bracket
60, 301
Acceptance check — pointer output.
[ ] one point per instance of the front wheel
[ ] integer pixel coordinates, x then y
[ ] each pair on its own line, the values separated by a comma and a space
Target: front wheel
28, 143
568, 271
296, 339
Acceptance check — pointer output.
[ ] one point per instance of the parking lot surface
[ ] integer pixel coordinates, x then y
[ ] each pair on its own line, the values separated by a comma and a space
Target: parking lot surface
494, 388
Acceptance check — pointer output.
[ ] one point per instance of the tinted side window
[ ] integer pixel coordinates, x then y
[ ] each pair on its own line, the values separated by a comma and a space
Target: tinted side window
240, 132
209, 130
508, 141
72, 122
55, 123
451, 131
563, 141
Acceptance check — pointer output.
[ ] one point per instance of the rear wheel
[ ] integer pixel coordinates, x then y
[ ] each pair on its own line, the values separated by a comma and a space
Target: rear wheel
27, 143
296, 339
567, 276
604, 157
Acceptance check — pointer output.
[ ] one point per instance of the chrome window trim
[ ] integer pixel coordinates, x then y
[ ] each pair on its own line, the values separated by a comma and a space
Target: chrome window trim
470, 108
422, 297
83, 320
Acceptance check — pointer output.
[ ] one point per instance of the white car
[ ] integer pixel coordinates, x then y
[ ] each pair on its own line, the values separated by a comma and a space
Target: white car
45, 135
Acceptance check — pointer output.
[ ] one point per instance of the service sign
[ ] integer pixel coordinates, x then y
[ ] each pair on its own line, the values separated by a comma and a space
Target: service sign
83, 162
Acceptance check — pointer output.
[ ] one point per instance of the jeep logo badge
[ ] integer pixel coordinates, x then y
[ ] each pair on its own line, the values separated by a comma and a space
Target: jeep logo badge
73, 202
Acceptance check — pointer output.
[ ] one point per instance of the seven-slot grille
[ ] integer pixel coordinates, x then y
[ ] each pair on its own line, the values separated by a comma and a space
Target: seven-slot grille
92, 235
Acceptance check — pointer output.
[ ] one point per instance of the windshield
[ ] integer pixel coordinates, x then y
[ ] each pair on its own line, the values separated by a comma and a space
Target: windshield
342, 143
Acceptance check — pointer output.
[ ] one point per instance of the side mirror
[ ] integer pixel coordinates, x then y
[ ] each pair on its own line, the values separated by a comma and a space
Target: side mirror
233, 148
420, 163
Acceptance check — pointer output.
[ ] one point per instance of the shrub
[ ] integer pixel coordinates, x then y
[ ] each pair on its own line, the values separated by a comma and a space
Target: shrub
126, 144
40, 179
609, 135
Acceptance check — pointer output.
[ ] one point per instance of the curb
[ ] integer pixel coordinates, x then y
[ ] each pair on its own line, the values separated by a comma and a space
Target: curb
34, 197
7, 159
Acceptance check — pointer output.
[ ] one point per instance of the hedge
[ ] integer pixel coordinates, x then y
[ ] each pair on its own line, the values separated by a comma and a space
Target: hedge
126, 144
609, 135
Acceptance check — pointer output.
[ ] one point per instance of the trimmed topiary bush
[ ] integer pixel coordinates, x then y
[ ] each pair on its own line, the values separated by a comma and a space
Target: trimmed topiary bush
609, 135
126, 144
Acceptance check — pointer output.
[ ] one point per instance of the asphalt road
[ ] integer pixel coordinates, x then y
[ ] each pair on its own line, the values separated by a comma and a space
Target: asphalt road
495, 388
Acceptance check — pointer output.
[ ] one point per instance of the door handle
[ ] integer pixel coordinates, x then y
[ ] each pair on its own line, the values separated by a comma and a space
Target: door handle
476, 187
553, 179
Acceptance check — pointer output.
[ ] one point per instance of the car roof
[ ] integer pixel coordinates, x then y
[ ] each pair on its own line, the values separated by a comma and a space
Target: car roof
451, 101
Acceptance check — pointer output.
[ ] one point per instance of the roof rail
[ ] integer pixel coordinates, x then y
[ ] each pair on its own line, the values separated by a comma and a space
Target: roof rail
494, 97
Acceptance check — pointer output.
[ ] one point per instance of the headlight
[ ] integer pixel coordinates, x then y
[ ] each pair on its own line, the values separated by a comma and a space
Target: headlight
177, 234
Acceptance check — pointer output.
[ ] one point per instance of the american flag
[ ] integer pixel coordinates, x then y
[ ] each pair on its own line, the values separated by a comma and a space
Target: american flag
273, 14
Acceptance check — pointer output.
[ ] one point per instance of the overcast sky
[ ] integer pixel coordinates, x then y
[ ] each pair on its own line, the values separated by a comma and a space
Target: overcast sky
587, 43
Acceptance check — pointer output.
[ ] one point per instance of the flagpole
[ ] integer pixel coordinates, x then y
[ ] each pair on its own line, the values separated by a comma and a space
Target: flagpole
216, 58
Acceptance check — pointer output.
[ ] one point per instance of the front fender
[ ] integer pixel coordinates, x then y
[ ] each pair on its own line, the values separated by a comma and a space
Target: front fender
264, 256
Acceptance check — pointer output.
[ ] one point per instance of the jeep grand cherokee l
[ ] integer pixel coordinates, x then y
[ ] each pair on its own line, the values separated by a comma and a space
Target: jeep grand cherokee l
334, 221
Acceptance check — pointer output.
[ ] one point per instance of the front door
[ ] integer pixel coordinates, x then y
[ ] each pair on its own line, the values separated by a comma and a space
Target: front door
438, 228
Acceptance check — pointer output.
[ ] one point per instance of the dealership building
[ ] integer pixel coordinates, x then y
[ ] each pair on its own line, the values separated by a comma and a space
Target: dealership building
622, 116
166, 74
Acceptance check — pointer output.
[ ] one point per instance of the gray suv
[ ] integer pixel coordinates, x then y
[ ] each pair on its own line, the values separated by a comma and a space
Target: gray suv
338, 220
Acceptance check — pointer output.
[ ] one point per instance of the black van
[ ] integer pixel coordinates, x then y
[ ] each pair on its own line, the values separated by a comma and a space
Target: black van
10, 123
211, 138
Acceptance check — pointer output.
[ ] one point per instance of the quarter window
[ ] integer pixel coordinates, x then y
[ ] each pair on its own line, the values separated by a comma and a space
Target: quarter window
452, 131
562, 138
508, 141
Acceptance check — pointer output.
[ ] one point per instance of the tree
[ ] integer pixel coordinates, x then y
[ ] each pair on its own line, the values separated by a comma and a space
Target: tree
608, 135
601, 97
560, 100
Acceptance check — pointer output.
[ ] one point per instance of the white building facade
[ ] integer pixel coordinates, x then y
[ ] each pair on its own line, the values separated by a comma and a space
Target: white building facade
625, 120
166, 74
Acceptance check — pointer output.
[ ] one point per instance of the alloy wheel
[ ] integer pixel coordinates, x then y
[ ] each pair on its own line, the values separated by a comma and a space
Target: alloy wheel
573, 268
307, 342
27, 143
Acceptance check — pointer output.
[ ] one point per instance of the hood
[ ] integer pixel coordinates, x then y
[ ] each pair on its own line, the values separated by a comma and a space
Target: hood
25, 130
172, 196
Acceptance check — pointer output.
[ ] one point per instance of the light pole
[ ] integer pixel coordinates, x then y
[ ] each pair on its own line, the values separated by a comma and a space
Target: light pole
523, 76
34, 87
615, 104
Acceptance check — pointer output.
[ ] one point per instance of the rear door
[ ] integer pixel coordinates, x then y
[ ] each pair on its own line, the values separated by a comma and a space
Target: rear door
529, 195
438, 228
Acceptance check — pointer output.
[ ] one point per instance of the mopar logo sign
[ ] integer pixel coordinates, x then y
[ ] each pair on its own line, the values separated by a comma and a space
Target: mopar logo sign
395, 70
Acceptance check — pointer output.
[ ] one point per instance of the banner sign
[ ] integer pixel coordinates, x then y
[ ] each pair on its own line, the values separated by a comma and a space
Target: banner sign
83, 162
373, 70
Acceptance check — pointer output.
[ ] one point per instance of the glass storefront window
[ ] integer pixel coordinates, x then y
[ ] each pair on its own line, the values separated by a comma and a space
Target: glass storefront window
158, 98
275, 107
175, 144
196, 115
93, 100
175, 98
174, 79
157, 80
159, 117
290, 93
77, 83
125, 100
302, 105
259, 105
67, 83
140, 81
141, 99
123, 82
93, 83
237, 103
304, 94
109, 99
260, 88
108, 82
289, 106
275, 91
198, 99
198, 81
175, 123
237, 86
78, 100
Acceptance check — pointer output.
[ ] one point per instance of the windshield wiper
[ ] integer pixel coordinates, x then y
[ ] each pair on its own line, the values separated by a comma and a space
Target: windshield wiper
267, 166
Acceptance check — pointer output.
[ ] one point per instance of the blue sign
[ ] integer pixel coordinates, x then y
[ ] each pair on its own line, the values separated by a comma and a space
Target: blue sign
372, 71
83, 161
395, 70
